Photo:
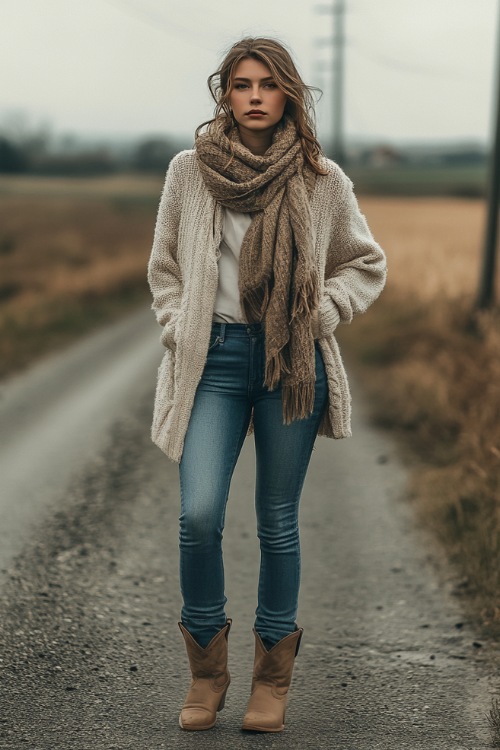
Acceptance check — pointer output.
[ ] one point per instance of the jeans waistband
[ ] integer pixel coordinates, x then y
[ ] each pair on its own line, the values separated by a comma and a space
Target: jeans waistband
224, 330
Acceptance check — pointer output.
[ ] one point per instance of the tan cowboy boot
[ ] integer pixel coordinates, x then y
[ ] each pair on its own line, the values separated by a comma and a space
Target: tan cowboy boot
272, 675
210, 682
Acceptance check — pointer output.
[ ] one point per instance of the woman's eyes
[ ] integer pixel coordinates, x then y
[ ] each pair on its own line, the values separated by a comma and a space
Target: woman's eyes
245, 85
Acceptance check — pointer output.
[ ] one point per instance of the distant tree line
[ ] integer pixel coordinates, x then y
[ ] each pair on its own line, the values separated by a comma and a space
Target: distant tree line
27, 149
36, 154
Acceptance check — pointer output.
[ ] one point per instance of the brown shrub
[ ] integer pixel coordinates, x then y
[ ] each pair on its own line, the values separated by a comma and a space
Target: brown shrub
434, 367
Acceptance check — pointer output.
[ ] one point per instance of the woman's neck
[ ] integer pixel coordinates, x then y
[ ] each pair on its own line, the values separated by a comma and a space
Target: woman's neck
256, 141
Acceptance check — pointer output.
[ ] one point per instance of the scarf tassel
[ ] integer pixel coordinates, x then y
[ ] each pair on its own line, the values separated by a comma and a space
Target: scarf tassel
297, 401
305, 301
255, 302
276, 366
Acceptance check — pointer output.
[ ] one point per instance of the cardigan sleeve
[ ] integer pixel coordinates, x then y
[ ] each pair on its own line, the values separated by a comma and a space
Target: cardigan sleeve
164, 274
355, 269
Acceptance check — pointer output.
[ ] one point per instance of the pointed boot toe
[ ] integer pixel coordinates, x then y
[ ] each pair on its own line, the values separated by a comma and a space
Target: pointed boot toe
196, 719
262, 721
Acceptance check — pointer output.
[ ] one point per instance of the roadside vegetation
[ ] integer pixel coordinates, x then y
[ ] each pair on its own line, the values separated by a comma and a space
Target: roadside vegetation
433, 369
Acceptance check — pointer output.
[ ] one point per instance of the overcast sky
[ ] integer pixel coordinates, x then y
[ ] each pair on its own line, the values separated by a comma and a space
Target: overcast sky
415, 70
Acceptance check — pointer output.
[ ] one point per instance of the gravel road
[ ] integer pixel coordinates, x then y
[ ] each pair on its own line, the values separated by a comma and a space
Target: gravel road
90, 653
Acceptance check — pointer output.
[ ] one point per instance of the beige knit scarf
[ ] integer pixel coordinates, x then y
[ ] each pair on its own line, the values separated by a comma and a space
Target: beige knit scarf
277, 276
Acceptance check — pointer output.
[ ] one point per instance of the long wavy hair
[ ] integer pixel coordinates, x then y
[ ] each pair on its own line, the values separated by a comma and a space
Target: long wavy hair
299, 104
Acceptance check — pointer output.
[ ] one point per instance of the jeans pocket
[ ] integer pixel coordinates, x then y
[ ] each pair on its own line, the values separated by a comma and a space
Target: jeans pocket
214, 341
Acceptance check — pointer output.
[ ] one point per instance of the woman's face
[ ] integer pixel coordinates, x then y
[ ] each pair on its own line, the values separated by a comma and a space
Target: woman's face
254, 91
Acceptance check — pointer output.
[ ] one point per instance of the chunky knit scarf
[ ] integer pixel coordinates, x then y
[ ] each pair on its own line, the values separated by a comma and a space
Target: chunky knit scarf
277, 277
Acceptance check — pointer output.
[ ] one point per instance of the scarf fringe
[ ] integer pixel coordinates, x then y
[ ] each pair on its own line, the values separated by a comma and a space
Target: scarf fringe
297, 401
255, 302
305, 301
276, 367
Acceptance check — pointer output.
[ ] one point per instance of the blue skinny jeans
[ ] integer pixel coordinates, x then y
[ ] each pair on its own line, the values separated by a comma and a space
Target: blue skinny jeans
231, 384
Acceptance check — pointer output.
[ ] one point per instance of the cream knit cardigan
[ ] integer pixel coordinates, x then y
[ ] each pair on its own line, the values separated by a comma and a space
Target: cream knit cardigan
183, 276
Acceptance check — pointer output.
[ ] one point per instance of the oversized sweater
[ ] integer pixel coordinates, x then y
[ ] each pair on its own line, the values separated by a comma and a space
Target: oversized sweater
183, 277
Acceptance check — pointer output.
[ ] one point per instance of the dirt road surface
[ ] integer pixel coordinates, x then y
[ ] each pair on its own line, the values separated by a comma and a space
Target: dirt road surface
91, 657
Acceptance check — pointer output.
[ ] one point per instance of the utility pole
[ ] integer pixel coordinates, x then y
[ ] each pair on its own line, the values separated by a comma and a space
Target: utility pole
337, 41
486, 294
338, 81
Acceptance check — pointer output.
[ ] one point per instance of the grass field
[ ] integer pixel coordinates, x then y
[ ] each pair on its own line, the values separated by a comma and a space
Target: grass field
73, 253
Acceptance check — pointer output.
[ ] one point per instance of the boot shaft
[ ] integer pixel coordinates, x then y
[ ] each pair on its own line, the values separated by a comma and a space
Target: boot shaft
211, 661
272, 676
275, 667
210, 680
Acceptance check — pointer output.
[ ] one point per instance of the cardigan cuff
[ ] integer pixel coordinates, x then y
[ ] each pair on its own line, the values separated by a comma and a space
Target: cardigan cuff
328, 317
168, 334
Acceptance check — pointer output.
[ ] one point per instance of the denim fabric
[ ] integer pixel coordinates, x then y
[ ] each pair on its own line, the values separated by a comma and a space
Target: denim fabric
232, 383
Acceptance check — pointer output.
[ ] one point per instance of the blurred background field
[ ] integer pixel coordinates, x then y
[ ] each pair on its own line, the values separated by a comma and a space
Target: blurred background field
74, 251
73, 254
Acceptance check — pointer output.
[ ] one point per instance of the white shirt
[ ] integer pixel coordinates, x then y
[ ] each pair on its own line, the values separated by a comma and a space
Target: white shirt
227, 308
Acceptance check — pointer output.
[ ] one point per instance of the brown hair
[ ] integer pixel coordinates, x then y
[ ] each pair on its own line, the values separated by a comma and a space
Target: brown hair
299, 104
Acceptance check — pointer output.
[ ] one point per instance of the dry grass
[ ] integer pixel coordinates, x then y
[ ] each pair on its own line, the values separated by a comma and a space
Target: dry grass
493, 719
432, 244
73, 253
116, 185
435, 371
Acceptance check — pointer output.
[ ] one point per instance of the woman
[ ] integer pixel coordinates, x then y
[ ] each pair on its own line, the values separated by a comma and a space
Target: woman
260, 250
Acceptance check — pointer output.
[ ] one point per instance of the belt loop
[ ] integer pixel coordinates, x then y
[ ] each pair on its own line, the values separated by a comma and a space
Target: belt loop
222, 332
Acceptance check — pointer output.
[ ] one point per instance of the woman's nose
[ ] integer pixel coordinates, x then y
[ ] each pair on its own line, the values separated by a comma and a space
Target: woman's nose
255, 95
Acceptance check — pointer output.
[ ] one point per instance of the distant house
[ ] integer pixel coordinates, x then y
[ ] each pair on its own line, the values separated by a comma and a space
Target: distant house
384, 156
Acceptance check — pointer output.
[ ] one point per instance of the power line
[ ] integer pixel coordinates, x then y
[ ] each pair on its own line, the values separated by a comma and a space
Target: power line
158, 22
404, 67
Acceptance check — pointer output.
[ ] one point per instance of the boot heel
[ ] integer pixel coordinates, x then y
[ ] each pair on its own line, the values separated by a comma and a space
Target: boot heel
222, 701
